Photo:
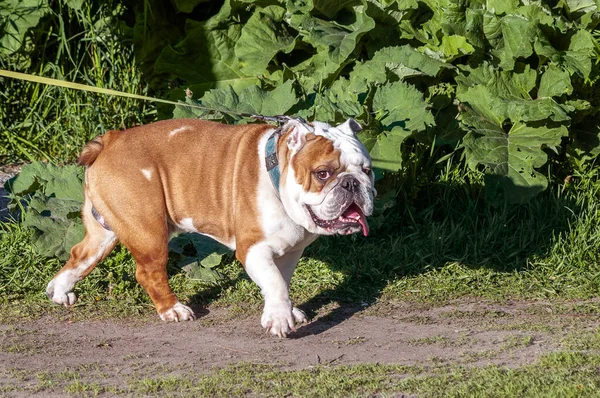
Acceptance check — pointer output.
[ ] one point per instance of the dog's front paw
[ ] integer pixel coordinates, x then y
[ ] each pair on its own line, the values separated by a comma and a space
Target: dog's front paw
178, 312
279, 320
59, 291
299, 315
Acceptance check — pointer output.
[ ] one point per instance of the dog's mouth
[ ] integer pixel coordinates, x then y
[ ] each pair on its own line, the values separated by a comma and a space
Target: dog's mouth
350, 221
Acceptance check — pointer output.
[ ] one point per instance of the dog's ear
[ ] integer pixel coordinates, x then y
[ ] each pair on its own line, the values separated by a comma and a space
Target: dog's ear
350, 127
296, 137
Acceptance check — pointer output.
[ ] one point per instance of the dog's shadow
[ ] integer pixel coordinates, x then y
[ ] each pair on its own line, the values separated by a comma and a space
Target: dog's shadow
410, 241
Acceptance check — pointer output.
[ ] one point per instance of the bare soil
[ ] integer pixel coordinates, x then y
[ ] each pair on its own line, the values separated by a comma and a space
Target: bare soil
468, 333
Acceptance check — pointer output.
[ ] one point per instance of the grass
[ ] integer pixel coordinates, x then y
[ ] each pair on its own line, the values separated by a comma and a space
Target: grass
449, 249
41, 122
560, 374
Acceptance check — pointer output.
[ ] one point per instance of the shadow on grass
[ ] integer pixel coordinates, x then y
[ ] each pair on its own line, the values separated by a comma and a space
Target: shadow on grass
448, 226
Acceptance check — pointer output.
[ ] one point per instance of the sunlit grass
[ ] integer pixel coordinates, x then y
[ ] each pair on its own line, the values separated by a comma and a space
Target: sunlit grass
43, 122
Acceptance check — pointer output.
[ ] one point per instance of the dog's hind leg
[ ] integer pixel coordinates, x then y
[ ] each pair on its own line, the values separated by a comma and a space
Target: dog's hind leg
95, 246
148, 244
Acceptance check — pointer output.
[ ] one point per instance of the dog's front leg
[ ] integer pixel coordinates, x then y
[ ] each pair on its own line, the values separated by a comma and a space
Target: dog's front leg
278, 317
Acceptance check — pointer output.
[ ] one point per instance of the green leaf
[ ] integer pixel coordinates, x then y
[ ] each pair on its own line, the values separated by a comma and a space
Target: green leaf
54, 237
251, 99
517, 32
503, 84
205, 59
401, 110
585, 146
56, 223
387, 151
75, 4
402, 61
509, 160
55, 196
54, 181
401, 105
16, 18
262, 37
335, 41
578, 57
555, 82
502, 6
498, 109
580, 6
198, 256
455, 46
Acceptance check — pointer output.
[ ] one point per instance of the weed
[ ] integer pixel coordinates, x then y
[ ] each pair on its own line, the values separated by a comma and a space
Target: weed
53, 123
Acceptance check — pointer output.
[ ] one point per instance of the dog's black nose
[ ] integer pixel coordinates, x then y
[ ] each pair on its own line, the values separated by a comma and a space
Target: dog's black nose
350, 183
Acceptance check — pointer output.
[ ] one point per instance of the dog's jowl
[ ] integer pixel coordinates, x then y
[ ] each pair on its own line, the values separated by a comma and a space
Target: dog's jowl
265, 192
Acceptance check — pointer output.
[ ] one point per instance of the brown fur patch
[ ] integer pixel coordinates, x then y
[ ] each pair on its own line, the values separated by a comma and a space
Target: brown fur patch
317, 154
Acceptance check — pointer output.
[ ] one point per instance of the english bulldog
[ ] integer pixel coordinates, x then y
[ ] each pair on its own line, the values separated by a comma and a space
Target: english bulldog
265, 192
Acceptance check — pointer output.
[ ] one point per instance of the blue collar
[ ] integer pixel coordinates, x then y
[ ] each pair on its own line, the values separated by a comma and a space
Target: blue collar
271, 160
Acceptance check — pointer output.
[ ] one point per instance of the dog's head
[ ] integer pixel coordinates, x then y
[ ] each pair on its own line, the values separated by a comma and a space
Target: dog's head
327, 180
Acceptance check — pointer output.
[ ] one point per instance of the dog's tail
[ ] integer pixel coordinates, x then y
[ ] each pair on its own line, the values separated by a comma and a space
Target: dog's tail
92, 149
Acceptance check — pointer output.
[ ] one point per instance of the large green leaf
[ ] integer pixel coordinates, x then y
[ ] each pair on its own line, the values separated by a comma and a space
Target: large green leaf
55, 196
253, 100
16, 18
504, 84
499, 109
262, 37
455, 46
387, 149
509, 159
555, 82
56, 223
518, 33
335, 41
53, 181
205, 59
403, 62
578, 57
401, 110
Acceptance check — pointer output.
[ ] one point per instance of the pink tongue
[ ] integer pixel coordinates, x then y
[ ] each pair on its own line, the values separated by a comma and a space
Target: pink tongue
355, 213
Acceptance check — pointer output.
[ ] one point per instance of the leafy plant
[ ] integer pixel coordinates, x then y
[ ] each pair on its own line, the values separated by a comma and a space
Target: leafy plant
505, 83
54, 197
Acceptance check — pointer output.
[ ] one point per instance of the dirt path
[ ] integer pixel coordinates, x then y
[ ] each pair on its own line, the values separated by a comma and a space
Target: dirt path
465, 333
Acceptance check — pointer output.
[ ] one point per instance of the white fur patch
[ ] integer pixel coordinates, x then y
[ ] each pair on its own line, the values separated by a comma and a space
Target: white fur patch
178, 312
177, 131
59, 290
277, 317
147, 173
187, 225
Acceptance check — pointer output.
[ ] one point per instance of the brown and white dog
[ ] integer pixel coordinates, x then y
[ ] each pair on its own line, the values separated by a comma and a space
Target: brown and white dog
266, 193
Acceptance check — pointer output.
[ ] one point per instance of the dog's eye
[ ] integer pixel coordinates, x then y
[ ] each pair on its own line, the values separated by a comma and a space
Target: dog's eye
367, 170
323, 174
